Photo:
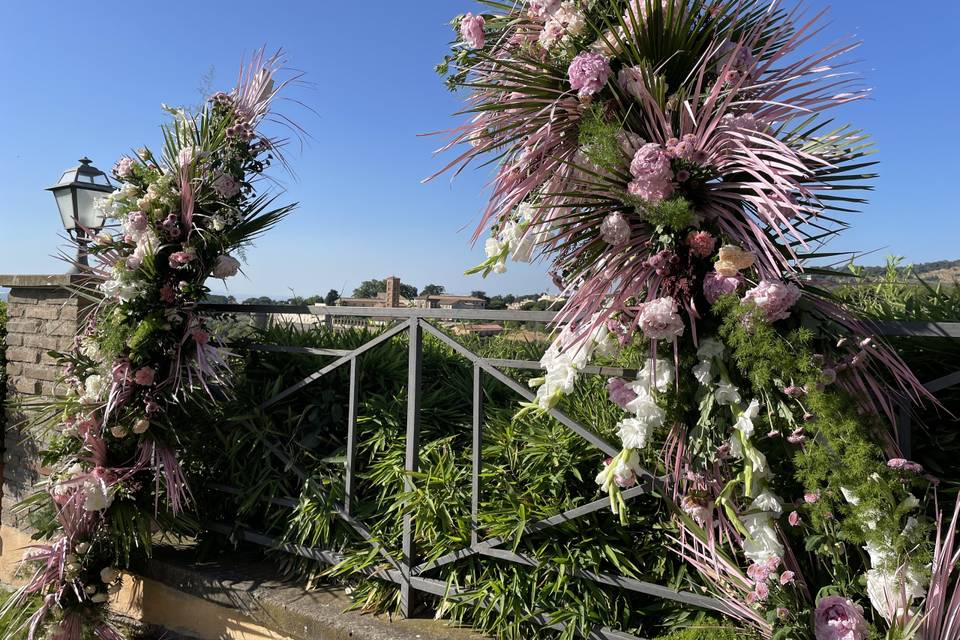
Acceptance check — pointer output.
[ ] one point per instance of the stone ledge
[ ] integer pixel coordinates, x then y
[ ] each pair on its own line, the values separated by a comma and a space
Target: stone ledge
249, 584
41, 281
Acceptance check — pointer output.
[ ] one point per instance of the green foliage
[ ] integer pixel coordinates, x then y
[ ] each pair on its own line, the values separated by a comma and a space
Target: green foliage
532, 468
598, 140
370, 289
715, 631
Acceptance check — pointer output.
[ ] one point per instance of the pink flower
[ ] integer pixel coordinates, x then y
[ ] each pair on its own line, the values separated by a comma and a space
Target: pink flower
659, 319
787, 577
200, 336
615, 229
167, 294
716, 285
631, 80
701, 243
811, 497
471, 31
226, 267
123, 168
544, 8
837, 618
652, 174
697, 507
902, 464
588, 73
182, 258
134, 262
620, 392
774, 298
762, 591
794, 519
226, 186
794, 391
758, 572
144, 376
664, 262
121, 372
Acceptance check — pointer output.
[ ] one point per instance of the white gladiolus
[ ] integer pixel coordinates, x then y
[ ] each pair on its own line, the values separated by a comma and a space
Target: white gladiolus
726, 394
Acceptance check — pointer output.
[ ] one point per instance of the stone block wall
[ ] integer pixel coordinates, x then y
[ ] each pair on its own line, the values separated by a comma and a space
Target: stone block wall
43, 316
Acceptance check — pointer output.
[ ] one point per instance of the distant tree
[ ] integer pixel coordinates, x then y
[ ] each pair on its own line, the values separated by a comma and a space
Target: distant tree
408, 291
496, 303
479, 294
509, 298
332, 296
370, 288
260, 300
433, 290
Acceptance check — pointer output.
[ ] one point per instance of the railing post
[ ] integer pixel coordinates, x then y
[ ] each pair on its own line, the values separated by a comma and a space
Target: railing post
349, 480
477, 443
412, 461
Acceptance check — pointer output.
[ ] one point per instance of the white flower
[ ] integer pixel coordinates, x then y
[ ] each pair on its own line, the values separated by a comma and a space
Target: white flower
762, 543
99, 496
93, 389
659, 319
109, 575
767, 502
658, 375
727, 394
710, 348
703, 372
90, 349
892, 592
744, 423
634, 432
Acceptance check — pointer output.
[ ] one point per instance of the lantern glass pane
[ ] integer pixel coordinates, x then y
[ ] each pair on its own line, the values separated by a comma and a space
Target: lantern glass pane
65, 204
88, 213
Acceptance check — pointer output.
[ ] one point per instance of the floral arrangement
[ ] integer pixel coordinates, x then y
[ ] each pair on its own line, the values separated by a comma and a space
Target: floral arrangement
672, 160
184, 215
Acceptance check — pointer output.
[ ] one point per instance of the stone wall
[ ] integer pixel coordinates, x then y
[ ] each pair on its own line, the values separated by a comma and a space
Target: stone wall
43, 316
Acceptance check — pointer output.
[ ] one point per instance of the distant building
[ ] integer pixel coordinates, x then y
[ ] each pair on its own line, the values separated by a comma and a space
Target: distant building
449, 302
390, 299
482, 330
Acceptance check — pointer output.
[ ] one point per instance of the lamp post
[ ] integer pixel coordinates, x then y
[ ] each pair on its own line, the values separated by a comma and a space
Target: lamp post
77, 193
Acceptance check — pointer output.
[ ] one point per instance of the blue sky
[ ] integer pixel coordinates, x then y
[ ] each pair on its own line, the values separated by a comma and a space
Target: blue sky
89, 78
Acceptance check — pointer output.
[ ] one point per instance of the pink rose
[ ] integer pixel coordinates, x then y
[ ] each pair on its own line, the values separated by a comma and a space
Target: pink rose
200, 336
471, 31
588, 73
812, 497
652, 173
137, 221
226, 267
144, 376
794, 519
837, 618
182, 258
167, 294
123, 168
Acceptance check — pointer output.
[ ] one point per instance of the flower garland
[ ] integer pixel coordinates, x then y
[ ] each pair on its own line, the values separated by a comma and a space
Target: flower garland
670, 159
184, 215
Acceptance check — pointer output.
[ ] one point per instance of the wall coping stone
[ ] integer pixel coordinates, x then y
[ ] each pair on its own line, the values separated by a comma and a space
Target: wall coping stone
40, 281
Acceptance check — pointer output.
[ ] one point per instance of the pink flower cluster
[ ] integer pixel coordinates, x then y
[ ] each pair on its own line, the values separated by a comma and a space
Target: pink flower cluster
659, 319
226, 186
471, 31
652, 174
701, 243
716, 285
589, 73
774, 298
901, 464
761, 573
837, 618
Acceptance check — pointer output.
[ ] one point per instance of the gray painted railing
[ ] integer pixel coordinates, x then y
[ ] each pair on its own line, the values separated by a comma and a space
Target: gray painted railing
407, 571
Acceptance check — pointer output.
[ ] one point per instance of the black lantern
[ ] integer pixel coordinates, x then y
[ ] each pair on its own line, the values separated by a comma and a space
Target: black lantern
77, 194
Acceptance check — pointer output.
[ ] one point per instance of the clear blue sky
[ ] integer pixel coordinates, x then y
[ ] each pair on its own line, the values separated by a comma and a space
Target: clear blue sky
88, 79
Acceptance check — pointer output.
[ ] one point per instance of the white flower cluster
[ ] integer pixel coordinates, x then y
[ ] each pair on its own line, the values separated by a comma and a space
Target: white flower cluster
564, 22
517, 238
762, 543
891, 587
646, 414
566, 358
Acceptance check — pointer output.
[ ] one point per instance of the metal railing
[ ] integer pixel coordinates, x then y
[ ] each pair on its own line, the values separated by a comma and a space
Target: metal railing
407, 571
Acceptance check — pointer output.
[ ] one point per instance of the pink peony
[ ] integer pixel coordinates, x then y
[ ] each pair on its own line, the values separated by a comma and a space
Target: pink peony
589, 73
902, 464
544, 8
226, 267
123, 168
620, 392
701, 243
716, 285
663, 262
811, 497
471, 31
774, 298
615, 229
837, 618
145, 376
226, 186
659, 319
652, 174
